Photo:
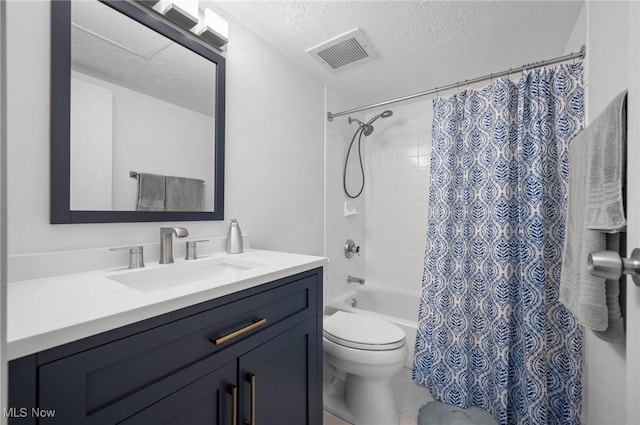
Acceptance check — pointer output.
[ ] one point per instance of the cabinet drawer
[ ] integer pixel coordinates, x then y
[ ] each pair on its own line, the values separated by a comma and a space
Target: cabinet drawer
111, 382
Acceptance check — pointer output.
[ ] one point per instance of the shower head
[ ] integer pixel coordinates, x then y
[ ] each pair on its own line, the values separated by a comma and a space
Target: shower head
367, 128
385, 114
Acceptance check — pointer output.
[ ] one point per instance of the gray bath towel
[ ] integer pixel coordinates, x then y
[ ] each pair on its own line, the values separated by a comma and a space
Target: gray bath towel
596, 168
151, 190
184, 194
615, 326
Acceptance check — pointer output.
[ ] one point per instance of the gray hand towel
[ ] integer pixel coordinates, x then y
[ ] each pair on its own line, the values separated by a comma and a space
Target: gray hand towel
151, 192
184, 194
596, 165
605, 208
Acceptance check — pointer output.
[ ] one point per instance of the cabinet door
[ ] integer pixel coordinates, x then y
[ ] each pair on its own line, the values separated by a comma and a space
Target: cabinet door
280, 380
211, 400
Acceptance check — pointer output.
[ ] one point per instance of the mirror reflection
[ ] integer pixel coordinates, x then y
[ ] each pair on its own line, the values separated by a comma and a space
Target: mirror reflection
142, 117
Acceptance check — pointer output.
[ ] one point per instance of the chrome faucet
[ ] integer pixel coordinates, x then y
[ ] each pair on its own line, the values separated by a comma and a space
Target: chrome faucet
166, 242
353, 279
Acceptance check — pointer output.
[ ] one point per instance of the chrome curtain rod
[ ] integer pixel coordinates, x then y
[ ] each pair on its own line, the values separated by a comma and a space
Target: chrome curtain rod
570, 56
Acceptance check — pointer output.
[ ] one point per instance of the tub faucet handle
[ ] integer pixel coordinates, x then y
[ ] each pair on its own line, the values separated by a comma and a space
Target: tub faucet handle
350, 248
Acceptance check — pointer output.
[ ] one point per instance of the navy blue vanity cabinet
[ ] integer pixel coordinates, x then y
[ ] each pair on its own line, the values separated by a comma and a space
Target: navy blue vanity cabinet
254, 354
277, 385
278, 382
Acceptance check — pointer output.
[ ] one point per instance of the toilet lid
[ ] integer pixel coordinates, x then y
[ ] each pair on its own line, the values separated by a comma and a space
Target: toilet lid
362, 332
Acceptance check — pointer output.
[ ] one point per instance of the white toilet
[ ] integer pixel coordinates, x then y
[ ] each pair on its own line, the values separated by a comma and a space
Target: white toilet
369, 351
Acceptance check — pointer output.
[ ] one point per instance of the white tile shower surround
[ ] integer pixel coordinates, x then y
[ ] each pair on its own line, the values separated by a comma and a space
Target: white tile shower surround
397, 171
329, 419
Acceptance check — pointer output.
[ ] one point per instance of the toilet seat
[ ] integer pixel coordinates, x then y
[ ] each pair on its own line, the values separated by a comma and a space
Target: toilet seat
362, 332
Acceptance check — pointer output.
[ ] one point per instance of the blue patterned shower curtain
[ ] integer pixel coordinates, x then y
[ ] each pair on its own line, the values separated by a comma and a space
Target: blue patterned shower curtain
491, 331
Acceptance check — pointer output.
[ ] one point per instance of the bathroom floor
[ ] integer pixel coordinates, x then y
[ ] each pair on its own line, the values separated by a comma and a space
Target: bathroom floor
329, 419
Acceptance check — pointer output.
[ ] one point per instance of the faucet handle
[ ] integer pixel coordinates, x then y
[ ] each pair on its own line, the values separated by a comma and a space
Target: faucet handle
350, 248
136, 255
191, 253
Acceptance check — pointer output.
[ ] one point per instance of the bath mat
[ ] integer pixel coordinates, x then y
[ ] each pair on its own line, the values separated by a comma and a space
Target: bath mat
437, 413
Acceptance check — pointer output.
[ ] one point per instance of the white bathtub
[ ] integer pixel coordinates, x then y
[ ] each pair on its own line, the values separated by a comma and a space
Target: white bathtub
396, 306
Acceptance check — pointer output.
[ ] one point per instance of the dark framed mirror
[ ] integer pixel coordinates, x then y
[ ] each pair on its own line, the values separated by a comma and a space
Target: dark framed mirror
137, 117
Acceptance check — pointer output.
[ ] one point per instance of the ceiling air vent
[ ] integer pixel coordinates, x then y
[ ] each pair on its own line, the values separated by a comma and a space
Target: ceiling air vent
344, 50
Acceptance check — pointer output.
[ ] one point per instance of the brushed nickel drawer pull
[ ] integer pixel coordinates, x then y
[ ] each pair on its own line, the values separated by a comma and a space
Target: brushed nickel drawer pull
252, 380
240, 331
234, 404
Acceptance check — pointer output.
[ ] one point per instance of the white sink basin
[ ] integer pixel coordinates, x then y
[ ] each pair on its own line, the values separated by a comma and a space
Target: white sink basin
218, 270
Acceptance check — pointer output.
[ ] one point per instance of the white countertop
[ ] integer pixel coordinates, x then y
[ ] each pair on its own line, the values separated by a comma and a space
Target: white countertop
47, 312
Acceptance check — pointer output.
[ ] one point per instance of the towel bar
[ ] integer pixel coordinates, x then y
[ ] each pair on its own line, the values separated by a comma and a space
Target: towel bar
136, 175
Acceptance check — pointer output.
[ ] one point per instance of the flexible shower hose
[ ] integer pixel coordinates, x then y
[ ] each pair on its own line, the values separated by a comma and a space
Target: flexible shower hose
346, 161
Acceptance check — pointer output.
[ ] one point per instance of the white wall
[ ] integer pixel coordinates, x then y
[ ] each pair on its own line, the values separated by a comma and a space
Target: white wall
151, 135
91, 146
162, 139
274, 148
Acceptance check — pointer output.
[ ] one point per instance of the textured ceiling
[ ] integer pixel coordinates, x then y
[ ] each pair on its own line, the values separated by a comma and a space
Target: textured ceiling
421, 44
112, 47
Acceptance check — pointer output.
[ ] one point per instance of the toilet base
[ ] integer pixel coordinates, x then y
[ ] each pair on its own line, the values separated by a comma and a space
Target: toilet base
370, 401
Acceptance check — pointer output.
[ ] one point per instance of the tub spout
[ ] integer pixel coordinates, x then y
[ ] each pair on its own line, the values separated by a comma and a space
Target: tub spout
353, 279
